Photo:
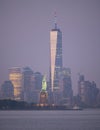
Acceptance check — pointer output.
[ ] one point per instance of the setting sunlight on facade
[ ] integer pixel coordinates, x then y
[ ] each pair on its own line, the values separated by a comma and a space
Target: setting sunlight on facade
15, 76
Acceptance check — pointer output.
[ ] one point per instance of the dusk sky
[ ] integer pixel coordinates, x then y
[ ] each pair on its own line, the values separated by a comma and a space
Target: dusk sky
25, 36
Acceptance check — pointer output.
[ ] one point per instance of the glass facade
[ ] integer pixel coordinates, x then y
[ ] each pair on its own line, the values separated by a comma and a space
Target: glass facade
28, 84
15, 76
55, 57
7, 90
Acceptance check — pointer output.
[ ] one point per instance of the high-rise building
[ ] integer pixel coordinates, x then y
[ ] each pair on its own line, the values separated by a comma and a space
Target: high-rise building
37, 87
15, 76
55, 57
38, 81
7, 90
87, 91
28, 84
98, 98
66, 84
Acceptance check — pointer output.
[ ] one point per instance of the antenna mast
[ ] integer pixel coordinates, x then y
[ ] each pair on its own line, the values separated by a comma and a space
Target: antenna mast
55, 16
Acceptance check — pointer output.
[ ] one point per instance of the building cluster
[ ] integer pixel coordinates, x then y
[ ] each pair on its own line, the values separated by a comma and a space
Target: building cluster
32, 87
88, 93
26, 85
23, 85
29, 86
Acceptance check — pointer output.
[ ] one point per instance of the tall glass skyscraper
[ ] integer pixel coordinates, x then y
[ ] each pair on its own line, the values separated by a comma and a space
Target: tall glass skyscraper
55, 57
28, 84
15, 76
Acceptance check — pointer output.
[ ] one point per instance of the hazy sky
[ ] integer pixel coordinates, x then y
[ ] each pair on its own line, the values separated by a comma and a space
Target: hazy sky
25, 29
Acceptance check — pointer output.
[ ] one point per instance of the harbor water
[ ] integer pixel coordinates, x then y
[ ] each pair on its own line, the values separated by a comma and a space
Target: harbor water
50, 120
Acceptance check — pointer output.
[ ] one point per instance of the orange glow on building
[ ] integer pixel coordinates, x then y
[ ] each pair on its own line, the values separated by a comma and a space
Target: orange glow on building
15, 76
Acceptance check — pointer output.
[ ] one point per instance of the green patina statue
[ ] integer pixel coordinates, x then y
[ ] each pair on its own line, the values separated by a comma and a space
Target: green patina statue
44, 83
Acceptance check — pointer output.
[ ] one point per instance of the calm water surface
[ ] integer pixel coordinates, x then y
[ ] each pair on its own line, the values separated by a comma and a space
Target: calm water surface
50, 120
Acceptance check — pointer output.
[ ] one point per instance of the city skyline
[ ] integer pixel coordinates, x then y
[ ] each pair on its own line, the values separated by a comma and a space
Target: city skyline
24, 41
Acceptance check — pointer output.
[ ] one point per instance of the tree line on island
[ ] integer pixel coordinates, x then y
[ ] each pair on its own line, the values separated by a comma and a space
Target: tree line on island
8, 104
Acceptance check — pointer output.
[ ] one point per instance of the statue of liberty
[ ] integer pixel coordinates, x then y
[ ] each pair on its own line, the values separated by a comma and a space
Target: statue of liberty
43, 93
44, 84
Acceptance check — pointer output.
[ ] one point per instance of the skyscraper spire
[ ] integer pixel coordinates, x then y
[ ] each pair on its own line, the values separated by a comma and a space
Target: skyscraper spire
55, 16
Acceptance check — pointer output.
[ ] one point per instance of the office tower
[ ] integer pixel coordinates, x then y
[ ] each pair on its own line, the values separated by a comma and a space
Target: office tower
15, 76
92, 94
38, 80
37, 87
98, 98
28, 84
66, 86
83, 88
55, 57
87, 92
43, 93
7, 90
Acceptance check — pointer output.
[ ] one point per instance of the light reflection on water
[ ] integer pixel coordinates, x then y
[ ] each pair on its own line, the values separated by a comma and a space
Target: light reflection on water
50, 120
